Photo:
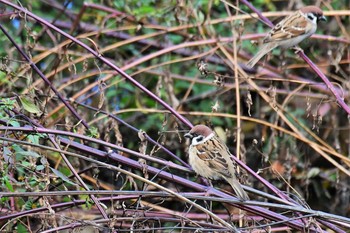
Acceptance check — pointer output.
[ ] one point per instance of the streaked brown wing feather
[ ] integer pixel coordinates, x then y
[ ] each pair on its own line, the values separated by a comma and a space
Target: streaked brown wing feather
288, 28
213, 157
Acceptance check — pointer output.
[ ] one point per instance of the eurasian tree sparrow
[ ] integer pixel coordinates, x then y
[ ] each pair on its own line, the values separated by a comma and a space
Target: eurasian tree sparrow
210, 158
290, 31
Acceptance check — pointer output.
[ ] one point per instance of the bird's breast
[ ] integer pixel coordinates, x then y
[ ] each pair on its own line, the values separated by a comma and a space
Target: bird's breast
200, 166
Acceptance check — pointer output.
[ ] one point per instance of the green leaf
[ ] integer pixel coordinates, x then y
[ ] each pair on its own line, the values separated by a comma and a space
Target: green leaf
13, 123
29, 106
4, 200
40, 168
62, 176
33, 182
21, 228
28, 153
28, 205
89, 203
93, 132
34, 138
7, 103
313, 172
26, 164
8, 183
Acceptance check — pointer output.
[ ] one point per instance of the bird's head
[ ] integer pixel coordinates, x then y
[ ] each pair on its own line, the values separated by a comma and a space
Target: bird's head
199, 134
313, 13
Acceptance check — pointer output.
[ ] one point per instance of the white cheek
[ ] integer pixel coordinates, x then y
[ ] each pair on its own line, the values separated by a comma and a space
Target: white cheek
194, 141
314, 18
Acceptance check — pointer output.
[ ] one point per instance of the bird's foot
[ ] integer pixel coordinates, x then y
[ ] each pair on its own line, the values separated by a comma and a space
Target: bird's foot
297, 49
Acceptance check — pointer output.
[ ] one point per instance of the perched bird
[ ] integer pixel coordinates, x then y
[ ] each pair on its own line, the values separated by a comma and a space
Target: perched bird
210, 158
290, 31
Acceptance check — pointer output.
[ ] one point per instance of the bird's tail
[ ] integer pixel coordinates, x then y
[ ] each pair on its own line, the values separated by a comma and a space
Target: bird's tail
242, 195
263, 50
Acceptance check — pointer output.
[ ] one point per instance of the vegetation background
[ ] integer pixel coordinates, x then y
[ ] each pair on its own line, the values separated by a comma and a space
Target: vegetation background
97, 95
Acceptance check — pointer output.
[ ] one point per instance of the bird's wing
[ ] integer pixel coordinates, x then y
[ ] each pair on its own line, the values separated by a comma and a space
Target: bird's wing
215, 155
292, 26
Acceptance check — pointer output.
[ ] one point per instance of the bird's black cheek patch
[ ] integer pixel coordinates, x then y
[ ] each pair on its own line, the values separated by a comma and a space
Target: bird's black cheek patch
198, 139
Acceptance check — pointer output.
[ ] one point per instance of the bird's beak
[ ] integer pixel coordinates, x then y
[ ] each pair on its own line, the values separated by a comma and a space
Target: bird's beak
323, 18
188, 135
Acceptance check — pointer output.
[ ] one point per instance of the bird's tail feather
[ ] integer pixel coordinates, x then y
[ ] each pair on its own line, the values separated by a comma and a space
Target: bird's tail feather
242, 195
264, 50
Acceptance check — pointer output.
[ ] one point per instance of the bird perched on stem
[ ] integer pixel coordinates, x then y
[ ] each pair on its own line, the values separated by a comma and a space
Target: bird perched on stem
290, 31
210, 158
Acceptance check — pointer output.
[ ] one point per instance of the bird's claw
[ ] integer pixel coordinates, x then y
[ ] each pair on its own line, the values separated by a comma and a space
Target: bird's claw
297, 49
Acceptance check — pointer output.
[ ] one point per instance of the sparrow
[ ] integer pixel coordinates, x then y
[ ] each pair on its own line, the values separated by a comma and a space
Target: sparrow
210, 158
290, 31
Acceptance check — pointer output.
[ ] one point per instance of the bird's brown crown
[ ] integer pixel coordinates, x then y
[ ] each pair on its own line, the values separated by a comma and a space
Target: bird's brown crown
312, 9
201, 130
